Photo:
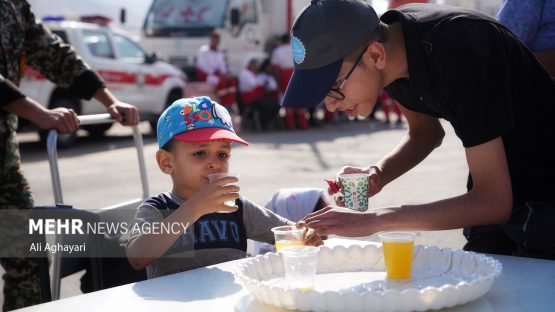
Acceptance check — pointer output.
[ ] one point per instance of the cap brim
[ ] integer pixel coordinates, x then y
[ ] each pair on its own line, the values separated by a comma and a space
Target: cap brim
309, 87
209, 134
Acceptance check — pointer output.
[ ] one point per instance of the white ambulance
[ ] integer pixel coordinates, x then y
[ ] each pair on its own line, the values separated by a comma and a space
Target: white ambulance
133, 75
176, 29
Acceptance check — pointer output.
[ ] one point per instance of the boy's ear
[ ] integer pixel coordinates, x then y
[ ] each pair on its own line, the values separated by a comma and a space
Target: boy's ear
165, 161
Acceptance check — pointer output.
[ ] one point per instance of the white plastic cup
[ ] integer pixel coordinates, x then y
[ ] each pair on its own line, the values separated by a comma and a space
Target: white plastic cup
216, 176
287, 236
300, 264
354, 187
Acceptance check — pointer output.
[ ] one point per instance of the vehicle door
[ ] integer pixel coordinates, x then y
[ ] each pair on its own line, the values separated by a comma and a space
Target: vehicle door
122, 78
246, 39
148, 82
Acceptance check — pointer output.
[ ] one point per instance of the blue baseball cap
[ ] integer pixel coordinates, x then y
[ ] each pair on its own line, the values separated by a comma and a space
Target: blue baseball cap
323, 34
196, 119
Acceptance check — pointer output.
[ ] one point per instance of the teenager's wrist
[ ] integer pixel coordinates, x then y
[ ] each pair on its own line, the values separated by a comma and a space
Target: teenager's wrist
385, 219
366, 225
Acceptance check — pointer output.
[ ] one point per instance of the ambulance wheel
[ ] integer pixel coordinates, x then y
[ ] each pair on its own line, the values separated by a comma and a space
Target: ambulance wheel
64, 140
174, 95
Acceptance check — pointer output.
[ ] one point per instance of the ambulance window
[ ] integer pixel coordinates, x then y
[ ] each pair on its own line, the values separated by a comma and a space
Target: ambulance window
188, 18
98, 44
128, 50
247, 8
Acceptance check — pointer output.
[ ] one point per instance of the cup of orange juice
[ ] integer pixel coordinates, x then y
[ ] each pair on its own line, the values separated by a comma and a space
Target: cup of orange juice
398, 252
287, 236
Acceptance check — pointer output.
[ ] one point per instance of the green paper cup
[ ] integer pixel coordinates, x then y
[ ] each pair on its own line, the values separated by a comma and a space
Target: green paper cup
354, 187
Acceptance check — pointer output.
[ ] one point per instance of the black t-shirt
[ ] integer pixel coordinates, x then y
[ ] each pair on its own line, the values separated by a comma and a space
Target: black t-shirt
470, 70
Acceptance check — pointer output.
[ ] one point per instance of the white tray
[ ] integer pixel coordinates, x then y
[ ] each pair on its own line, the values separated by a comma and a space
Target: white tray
354, 279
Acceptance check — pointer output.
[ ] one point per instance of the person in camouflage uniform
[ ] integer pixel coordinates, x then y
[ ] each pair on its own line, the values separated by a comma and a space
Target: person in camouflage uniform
24, 41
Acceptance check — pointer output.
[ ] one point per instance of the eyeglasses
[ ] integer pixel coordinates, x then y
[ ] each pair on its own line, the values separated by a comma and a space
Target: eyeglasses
335, 93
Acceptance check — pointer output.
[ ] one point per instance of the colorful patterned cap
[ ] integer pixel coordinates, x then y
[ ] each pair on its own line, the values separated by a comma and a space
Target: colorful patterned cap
196, 119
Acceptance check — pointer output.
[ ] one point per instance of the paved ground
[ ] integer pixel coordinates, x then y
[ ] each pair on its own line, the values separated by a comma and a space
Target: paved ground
98, 173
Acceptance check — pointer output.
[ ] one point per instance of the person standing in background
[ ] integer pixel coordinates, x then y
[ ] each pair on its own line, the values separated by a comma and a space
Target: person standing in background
533, 22
25, 42
212, 68
250, 87
282, 60
253, 94
267, 76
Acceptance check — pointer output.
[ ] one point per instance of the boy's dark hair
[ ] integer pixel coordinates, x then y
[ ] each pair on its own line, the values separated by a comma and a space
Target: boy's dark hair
169, 146
380, 34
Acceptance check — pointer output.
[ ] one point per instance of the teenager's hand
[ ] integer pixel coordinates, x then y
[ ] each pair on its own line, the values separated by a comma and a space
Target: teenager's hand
340, 221
374, 186
211, 198
310, 237
375, 183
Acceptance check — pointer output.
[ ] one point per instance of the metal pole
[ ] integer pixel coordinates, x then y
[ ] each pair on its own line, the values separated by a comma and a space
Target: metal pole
138, 139
51, 146
52, 150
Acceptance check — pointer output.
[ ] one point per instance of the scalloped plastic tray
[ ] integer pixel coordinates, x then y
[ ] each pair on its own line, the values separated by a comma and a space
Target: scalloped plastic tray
353, 279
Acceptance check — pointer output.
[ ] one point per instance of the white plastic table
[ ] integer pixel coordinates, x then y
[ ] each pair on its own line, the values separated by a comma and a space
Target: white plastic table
524, 285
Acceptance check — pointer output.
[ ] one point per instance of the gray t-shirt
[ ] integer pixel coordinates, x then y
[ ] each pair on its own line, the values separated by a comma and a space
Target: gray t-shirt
214, 238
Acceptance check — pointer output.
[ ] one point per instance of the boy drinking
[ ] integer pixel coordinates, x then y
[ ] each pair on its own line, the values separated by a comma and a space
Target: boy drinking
185, 228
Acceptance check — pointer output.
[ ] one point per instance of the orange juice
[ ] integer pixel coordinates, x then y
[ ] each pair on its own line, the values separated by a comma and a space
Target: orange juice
287, 243
303, 289
398, 259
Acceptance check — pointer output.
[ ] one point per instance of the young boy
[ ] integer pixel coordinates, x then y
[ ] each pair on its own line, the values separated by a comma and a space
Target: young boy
181, 230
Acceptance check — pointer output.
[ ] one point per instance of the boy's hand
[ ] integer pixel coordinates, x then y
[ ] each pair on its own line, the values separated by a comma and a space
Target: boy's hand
311, 238
212, 197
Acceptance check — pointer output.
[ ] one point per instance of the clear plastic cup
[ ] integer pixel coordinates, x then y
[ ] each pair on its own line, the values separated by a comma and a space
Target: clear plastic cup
300, 263
287, 236
216, 176
354, 187
398, 253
